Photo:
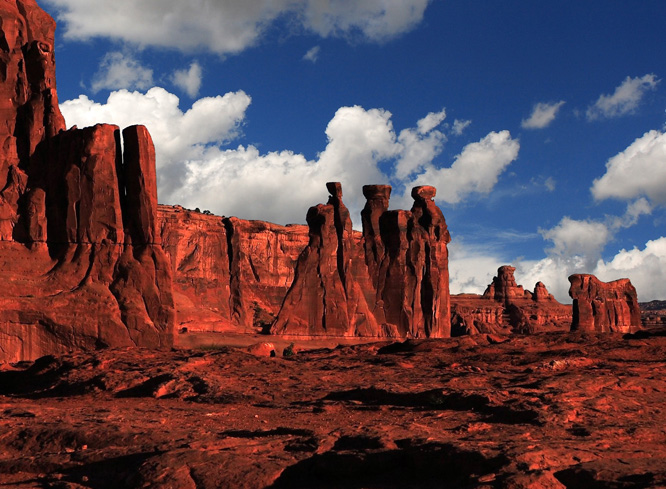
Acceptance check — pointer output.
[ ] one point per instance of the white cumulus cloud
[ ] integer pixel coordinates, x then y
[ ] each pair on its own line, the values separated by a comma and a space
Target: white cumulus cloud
420, 146
121, 70
198, 167
471, 266
542, 115
585, 239
179, 136
645, 268
227, 26
189, 80
624, 100
640, 170
459, 126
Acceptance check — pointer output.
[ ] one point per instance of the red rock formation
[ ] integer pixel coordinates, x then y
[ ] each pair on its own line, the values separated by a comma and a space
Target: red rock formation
604, 307
140, 182
78, 235
377, 203
325, 298
391, 282
504, 288
413, 277
229, 274
88, 283
473, 314
507, 307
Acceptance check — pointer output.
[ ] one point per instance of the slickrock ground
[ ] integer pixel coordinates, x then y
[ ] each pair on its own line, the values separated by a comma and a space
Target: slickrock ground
541, 411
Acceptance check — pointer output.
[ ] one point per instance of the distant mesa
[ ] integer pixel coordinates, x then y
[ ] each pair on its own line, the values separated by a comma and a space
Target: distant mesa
506, 307
90, 260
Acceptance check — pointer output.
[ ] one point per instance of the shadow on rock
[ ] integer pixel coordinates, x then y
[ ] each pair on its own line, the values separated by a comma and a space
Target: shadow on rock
111, 473
436, 399
430, 465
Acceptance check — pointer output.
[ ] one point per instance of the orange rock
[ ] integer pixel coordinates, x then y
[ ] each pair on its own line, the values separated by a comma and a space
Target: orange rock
325, 298
264, 349
229, 274
72, 280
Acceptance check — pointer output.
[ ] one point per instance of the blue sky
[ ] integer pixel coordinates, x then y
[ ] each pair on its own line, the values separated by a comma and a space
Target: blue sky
541, 124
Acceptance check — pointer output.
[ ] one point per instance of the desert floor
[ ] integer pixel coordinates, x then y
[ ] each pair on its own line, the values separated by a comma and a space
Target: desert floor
543, 411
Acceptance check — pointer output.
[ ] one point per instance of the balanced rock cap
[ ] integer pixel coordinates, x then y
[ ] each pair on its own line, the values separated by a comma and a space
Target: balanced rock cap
335, 189
424, 192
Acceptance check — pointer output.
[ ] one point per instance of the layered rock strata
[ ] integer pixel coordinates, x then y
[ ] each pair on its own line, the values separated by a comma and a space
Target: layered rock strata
604, 307
506, 307
393, 281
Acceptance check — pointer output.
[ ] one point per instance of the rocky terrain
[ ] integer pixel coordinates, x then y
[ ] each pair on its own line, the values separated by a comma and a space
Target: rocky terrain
485, 411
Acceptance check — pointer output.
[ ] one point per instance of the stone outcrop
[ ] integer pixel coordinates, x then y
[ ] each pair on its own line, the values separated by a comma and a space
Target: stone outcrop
229, 274
81, 262
393, 281
88, 259
506, 307
604, 307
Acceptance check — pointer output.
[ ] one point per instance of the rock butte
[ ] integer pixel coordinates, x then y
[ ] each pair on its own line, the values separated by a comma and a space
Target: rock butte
603, 307
88, 259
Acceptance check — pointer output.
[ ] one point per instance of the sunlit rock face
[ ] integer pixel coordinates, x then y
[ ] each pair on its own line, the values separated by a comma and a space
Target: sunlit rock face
80, 257
229, 274
604, 307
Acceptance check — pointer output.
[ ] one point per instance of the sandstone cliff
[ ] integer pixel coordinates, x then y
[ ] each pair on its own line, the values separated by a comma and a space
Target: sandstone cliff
229, 274
88, 259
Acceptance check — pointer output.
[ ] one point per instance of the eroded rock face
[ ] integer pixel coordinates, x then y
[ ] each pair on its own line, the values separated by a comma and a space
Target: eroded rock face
325, 299
391, 281
86, 281
506, 307
229, 274
504, 288
603, 307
